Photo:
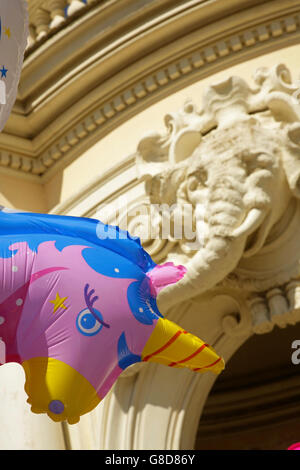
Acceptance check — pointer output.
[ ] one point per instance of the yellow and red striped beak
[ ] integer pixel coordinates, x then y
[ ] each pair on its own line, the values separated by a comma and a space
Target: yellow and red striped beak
171, 345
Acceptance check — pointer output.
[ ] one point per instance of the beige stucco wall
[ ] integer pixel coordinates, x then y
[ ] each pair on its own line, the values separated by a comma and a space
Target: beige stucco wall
20, 428
20, 193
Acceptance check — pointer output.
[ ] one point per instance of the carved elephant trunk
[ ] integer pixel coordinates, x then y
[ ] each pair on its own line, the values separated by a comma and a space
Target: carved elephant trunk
225, 214
235, 189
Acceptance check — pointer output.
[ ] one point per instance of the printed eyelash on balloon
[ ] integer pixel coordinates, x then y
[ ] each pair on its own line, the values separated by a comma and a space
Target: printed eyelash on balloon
90, 302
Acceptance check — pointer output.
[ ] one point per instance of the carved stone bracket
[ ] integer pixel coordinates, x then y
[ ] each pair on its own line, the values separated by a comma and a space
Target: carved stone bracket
278, 306
236, 163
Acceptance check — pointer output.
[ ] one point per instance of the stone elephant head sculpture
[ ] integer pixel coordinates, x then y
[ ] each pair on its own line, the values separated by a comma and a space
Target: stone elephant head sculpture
242, 174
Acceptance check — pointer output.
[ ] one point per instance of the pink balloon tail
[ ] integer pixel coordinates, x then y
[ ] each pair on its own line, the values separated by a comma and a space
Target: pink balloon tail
163, 275
295, 446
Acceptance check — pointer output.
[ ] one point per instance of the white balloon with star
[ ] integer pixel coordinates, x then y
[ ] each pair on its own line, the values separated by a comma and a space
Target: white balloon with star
13, 41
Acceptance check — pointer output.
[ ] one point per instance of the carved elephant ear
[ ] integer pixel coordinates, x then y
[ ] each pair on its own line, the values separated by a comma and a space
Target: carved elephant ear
157, 153
184, 144
291, 158
152, 155
283, 107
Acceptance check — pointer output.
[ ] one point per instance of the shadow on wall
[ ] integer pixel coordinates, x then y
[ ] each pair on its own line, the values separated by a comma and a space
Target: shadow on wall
255, 404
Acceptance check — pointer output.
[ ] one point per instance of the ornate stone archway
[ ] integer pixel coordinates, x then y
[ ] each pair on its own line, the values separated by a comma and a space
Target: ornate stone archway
250, 255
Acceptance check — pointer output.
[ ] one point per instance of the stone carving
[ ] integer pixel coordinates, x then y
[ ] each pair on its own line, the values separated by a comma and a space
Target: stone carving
238, 160
279, 306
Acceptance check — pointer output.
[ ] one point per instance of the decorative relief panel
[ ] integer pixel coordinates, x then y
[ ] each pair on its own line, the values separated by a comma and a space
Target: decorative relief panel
235, 162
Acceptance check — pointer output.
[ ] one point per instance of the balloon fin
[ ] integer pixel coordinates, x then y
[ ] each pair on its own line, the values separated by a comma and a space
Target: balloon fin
163, 275
125, 357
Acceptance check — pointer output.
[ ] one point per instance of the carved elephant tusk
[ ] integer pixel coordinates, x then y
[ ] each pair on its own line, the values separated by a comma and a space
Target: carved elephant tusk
261, 236
252, 221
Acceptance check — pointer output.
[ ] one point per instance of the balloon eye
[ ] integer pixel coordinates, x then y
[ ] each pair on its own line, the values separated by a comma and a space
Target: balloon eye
87, 324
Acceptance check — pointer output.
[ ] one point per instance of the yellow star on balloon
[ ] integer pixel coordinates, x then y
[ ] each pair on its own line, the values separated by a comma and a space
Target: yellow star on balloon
58, 302
7, 32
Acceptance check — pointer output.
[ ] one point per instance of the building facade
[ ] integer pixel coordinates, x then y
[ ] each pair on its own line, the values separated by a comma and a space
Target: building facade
126, 105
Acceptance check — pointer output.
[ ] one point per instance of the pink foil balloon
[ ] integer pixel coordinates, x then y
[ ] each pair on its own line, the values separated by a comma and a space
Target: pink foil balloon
295, 446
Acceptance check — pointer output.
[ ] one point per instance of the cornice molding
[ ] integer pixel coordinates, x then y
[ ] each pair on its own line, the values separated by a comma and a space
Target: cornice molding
172, 61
